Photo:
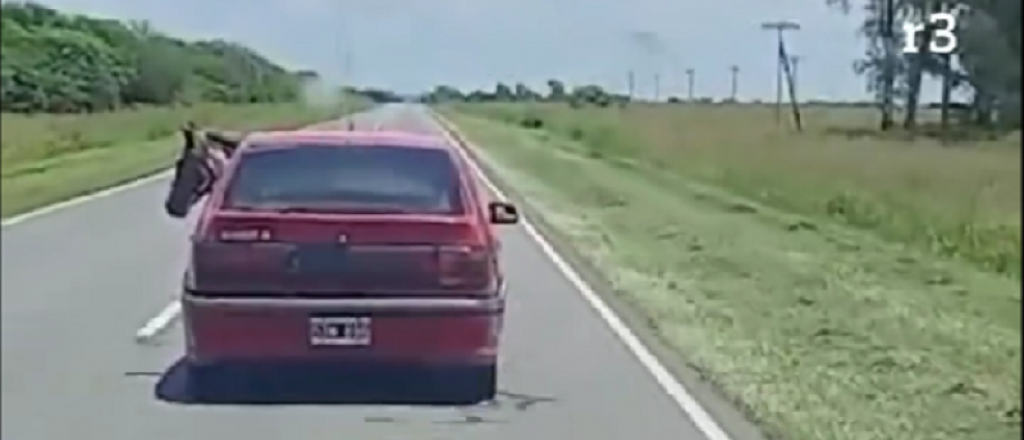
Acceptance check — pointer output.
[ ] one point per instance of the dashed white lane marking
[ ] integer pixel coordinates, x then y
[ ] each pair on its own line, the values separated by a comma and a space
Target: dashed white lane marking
159, 322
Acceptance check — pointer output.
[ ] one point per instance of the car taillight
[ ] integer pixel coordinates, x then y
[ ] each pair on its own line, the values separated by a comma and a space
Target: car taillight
464, 267
244, 235
245, 249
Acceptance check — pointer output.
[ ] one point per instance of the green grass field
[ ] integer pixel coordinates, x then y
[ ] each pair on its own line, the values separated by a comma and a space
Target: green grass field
49, 158
836, 286
961, 200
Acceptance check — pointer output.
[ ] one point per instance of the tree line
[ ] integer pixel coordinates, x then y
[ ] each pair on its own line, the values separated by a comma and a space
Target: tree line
557, 91
577, 96
985, 65
60, 62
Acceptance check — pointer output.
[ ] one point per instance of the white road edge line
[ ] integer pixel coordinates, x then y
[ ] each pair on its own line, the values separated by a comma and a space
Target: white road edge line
49, 209
682, 397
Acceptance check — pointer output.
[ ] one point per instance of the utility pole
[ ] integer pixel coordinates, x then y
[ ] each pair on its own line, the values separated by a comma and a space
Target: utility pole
794, 64
690, 73
631, 84
780, 27
735, 81
657, 87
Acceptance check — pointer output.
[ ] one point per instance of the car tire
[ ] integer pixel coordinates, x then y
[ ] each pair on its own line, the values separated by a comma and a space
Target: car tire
462, 385
484, 383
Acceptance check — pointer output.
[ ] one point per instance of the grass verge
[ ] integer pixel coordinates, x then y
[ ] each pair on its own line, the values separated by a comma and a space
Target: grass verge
816, 330
49, 158
960, 200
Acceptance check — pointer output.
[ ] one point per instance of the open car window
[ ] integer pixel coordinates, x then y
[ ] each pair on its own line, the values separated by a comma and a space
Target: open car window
351, 179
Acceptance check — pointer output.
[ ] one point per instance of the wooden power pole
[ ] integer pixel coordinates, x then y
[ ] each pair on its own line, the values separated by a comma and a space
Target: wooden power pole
735, 70
780, 27
690, 73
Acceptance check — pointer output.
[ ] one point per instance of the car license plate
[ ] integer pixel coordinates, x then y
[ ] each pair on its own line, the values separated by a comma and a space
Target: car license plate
321, 259
345, 331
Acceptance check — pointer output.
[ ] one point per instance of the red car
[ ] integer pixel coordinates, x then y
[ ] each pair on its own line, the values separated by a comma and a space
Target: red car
320, 250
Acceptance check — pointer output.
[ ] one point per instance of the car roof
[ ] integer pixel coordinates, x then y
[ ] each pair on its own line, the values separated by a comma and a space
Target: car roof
301, 138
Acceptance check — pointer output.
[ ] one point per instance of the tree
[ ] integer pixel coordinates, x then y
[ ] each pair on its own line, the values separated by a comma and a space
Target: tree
590, 94
379, 96
441, 94
556, 90
502, 92
160, 73
57, 62
523, 93
307, 76
986, 64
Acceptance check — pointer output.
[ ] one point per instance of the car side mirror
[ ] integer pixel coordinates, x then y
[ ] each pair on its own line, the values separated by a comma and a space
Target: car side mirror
501, 213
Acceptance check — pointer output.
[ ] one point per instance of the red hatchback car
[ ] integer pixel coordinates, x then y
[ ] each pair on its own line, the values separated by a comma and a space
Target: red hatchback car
322, 250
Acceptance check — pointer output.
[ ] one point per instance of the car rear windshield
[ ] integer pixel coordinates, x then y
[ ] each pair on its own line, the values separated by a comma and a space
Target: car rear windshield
356, 179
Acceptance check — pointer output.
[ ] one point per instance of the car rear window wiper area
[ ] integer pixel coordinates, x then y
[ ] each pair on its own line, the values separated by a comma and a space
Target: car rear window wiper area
349, 179
324, 209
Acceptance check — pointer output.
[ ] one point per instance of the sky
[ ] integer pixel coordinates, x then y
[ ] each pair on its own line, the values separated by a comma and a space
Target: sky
412, 45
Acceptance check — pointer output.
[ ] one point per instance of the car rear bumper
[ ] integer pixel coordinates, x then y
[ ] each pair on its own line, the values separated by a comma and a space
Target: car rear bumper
407, 332
326, 382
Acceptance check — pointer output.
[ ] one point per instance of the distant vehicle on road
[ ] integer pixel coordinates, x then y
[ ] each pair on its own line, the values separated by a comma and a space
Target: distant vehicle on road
321, 250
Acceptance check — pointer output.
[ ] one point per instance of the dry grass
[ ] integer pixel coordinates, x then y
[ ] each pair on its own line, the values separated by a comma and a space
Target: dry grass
956, 200
48, 158
820, 331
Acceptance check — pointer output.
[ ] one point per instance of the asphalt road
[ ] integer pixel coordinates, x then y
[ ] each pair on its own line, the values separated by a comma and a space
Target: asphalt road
78, 283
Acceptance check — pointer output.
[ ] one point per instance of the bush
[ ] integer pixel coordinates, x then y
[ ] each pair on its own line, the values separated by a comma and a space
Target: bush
68, 63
